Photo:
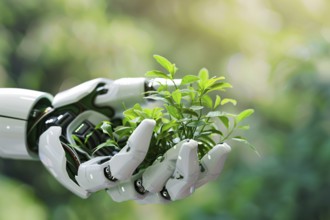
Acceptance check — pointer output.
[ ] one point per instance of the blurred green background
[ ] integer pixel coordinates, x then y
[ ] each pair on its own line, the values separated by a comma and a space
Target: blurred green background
275, 53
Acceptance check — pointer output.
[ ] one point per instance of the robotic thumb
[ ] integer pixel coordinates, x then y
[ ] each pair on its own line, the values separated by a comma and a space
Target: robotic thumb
123, 164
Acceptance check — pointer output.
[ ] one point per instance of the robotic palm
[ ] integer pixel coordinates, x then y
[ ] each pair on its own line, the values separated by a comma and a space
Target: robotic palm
34, 125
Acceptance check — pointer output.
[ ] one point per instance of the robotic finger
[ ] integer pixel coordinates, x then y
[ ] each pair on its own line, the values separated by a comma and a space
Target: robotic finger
169, 178
145, 187
53, 156
183, 173
104, 172
212, 163
130, 189
182, 183
99, 172
123, 164
152, 181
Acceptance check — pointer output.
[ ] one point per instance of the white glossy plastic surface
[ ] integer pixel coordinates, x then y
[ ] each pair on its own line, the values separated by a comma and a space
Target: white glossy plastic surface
18, 103
123, 164
77, 93
52, 155
182, 184
124, 92
12, 139
91, 175
213, 163
15, 108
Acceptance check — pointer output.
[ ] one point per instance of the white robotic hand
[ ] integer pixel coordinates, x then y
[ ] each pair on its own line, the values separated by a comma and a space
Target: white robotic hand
174, 176
33, 125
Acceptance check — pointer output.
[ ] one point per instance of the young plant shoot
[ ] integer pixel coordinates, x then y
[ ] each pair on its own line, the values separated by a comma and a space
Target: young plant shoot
190, 108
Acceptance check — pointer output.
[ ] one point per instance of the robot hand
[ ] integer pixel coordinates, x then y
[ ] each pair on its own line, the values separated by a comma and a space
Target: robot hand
33, 125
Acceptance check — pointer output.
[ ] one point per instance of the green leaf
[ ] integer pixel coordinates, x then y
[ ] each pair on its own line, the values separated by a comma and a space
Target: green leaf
77, 140
244, 114
176, 95
214, 114
137, 120
189, 112
161, 88
220, 78
192, 93
156, 98
157, 113
196, 107
219, 87
173, 111
165, 94
213, 81
207, 101
203, 75
189, 79
108, 143
165, 120
217, 102
226, 100
137, 106
216, 131
196, 123
225, 121
88, 136
106, 128
84, 151
186, 94
244, 127
206, 140
166, 64
130, 114
166, 127
80, 146
123, 131
175, 69
243, 140
156, 73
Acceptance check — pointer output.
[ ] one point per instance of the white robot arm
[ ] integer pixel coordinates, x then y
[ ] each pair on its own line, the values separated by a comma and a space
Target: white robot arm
34, 125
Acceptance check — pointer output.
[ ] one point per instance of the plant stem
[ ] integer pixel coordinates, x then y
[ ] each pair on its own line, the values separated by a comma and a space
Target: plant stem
228, 134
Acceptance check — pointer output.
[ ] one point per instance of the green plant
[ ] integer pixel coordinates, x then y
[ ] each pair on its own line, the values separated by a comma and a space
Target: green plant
190, 109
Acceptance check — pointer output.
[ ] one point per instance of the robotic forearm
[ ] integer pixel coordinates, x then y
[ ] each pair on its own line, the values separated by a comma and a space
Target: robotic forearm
26, 114
35, 125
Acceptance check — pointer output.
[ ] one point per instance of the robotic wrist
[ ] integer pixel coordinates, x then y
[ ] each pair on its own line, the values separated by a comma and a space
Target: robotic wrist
19, 107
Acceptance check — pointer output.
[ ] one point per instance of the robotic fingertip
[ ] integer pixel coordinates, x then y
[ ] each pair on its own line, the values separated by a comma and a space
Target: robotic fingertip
143, 132
224, 148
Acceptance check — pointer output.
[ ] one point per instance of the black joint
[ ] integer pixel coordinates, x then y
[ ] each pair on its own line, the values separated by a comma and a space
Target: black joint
139, 186
102, 90
164, 193
104, 160
108, 175
202, 168
179, 177
148, 86
64, 119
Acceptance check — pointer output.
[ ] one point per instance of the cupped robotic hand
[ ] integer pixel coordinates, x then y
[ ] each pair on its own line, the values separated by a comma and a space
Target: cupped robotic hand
34, 125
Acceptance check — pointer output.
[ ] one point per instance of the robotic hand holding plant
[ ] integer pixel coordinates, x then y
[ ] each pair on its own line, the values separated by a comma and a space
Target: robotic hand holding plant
95, 136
